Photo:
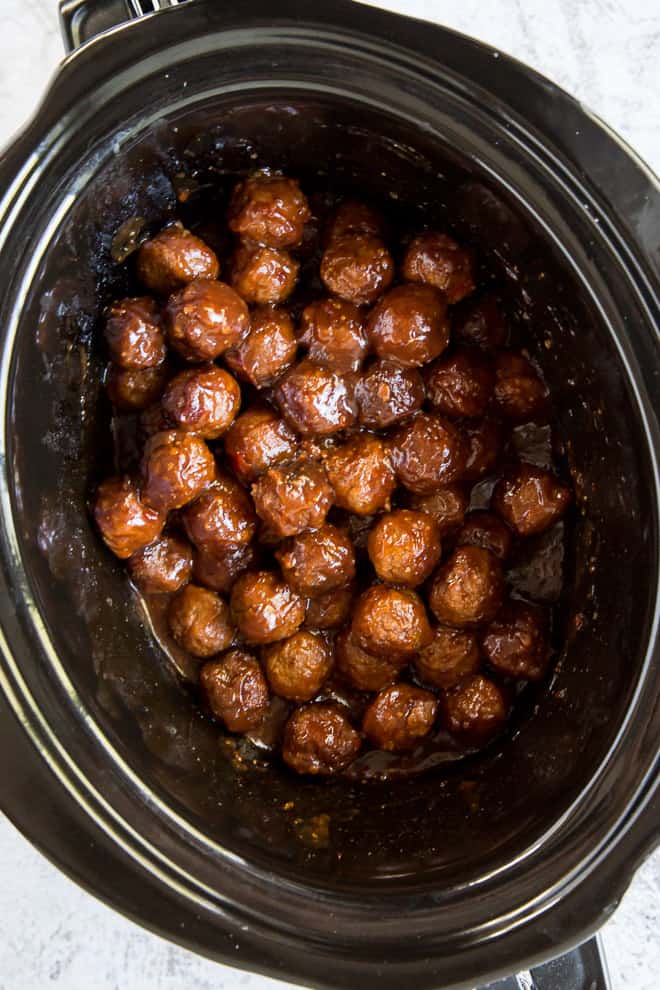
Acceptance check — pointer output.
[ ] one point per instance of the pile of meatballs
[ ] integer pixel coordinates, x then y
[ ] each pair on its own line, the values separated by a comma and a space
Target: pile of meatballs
303, 490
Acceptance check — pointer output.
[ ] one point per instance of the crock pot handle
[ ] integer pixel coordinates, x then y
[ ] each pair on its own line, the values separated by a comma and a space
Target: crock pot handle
82, 20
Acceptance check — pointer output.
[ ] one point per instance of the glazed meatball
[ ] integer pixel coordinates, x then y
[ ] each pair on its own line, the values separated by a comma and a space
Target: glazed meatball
174, 258
479, 322
529, 499
297, 667
390, 622
221, 518
202, 400
404, 547
387, 393
162, 567
257, 440
125, 522
220, 570
333, 332
265, 608
484, 441
357, 267
267, 351
200, 621
354, 218
362, 670
436, 259
235, 690
460, 385
176, 468
447, 506
361, 474
132, 391
409, 325
269, 209
399, 716
319, 739
205, 319
475, 710
452, 655
292, 499
314, 400
134, 335
331, 610
468, 589
428, 452
483, 529
263, 274
515, 643
520, 395
317, 561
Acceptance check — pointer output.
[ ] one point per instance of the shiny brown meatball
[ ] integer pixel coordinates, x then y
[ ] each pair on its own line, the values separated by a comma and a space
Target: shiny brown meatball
399, 716
162, 567
404, 547
200, 621
134, 335
479, 322
319, 739
354, 218
468, 589
174, 258
436, 259
428, 452
447, 506
485, 441
132, 391
125, 522
176, 468
331, 610
390, 622
221, 518
263, 274
257, 440
475, 710
461, 384
409, 325
314, 400
529, 499
265, 608
317, 561
357, 267
292, 499
235, 690
333, 332
267, 351
453, 655
205, 319
202, 400
361, 474
386, 393
516, 643
220, 570
269, 209
297, 667
362, 670
483, 529
520, 395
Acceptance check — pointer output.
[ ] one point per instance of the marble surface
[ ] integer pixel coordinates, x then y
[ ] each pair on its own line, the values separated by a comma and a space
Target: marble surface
606, 52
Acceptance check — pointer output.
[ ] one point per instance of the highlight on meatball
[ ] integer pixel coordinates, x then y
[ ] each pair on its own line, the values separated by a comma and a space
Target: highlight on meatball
436, 259
485, 442
125, 521
330, 610
468, 589
363, 670
314, 400
218, 569
404, 547
297, 667
357, 267
361, 474
319, 739
173, 258
134, 334
333, 332
317, 561
221, 518
520, 395
163, 567
176, 468
269, 209
399, 717
390, 622
293, 498
132, 390
516, 643
409, 325
452, 655
263, 274
530, 499
387, 393
267, 351
428, 452
200, 621
257, 440
475, 710
202, 400
235, 689
205, 319
460, 385
447, 505
265, 609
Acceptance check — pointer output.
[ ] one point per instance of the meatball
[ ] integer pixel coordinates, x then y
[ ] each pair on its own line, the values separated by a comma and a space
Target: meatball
436, 259
174, 258
483, 529
314, 400
452, 655
221, 518
205, 319
386, 393
263, 274
267, 351
257, 440
357, 267
265, 608
461, 384
404, 547
479, 322
447, 506
134, 335
235, 690
292, 499
200, 621
520, 395
399, 716
319, 739
317, 561
132, 391
362, 670
125, 522
476, 709
515, 643
162, 567
361, 474
390, 622
485, 441
269, 209
409, 325
331, 610
220, 570
529, 499
468, 589
428, 452
202, 400
176, 467
333, 332
297, 667
152, 420
354, 218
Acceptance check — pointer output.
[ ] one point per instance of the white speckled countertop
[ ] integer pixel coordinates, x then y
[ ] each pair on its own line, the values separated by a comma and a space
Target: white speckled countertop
607, 53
